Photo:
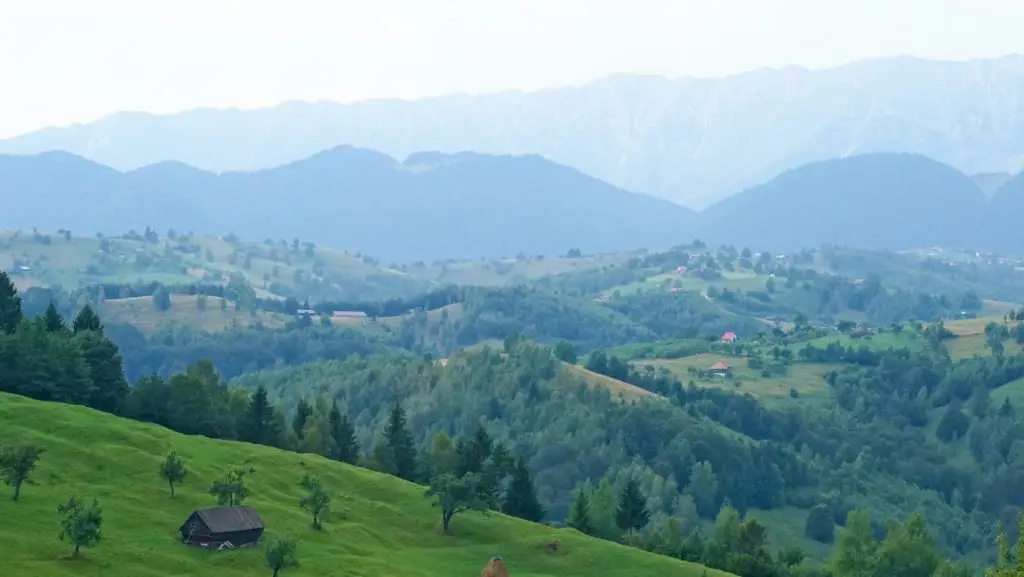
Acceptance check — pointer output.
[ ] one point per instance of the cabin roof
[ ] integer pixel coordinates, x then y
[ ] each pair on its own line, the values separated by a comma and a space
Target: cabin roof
230, 519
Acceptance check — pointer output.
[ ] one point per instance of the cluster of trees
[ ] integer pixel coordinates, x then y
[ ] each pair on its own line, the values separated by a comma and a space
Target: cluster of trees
46, 359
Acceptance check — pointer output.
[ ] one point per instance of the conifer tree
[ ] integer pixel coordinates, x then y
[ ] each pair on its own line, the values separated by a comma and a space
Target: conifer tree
632, 514
10, 305
302, 413
520, 497
52, 320
579, 512
106, 371
260, 425
344, 445
400, 447
87, 320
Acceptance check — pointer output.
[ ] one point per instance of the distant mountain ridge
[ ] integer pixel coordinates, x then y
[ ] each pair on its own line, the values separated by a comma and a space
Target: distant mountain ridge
436, 206
430, 207
691, 140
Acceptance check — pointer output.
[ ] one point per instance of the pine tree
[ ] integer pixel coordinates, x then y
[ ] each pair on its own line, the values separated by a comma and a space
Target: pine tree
632, 514
260, 426
302, 414
87, 320
400, 445
474, 453
520, 497
10, 305
579, 512
52, 320
344, 445
106, 371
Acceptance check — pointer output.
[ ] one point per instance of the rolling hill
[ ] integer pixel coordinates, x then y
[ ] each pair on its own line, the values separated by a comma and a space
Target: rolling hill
877, 201
692, 140
380, 525
431, 206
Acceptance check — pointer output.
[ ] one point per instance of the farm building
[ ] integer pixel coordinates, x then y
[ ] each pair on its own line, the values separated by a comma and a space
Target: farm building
729, 337
349, 314
222, 527
720, 369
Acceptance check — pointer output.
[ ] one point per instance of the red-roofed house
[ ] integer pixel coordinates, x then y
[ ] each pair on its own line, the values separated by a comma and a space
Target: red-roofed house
729, 337
721, 369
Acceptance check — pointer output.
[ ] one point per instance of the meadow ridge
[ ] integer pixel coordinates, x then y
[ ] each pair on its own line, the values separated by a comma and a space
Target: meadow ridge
379, 526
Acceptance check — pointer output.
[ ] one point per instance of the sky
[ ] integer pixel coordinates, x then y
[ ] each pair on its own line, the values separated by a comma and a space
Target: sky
66, 61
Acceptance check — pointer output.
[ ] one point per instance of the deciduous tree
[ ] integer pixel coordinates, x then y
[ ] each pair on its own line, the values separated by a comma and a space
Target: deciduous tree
80, 525
172, 470
316, 501
230, 490
282, 554
17, 463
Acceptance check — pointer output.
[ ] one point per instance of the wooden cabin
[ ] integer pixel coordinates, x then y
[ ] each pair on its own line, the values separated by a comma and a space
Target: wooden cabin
222, 527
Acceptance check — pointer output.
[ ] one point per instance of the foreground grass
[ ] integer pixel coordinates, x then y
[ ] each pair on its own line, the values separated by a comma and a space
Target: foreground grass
381, 527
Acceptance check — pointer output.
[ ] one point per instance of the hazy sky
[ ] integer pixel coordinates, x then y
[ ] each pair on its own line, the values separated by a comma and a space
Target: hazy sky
64, 61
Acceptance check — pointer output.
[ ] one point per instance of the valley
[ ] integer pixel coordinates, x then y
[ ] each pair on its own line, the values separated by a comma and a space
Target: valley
722, 380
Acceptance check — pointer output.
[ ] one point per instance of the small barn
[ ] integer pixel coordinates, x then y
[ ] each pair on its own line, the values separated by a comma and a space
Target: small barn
222, 527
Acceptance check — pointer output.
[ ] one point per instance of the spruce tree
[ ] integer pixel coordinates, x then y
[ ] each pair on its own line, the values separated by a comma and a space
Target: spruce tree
579, 512
260, 426
400, 445
87, 320
106, 371
302, 413
10, 305
344, 445
52, 320
520, 497
632, 514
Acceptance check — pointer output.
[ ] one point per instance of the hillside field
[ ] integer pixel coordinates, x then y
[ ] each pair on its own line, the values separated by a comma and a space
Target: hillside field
380, 526
807, 379
185, 311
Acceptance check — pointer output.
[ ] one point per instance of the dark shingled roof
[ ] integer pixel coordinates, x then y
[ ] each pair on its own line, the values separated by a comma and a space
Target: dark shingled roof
229, 519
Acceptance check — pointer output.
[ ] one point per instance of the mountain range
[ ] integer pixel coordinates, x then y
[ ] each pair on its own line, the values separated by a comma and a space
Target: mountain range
690, 140
431, 206
436, 206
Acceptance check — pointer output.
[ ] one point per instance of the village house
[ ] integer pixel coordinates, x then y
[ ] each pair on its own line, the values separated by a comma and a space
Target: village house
729, 337
720, 369
222, 527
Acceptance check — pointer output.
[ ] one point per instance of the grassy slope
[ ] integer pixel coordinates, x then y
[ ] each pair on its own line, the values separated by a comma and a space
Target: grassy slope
806, 378
619, 389
390, 529
141, 312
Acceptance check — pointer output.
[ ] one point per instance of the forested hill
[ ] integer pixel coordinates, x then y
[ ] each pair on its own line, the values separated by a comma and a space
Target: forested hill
879, 201
437, 206
807, 402
431, 206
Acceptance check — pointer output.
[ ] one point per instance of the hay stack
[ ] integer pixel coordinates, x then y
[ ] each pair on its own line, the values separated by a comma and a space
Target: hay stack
495, 568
